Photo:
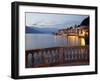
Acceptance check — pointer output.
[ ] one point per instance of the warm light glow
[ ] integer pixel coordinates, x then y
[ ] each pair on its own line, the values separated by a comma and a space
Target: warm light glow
82, 41
73, 40
71, 37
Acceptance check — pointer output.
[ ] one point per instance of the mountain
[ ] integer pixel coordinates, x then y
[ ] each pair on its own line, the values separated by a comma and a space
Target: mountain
31, 30
45, 30
85, 22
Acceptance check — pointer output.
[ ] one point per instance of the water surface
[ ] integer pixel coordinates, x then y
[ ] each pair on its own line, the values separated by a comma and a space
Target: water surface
35, 41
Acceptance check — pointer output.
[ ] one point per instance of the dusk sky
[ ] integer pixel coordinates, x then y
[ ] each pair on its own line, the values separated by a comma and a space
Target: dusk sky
53, 20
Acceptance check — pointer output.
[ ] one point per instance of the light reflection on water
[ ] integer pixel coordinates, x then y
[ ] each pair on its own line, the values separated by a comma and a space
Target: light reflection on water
34, 41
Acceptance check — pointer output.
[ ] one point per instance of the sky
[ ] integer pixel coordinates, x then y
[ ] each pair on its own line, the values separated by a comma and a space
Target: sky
53, 20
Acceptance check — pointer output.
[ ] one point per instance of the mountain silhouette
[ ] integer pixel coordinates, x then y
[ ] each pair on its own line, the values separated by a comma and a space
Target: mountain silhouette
31, 30
46, 30
85, 22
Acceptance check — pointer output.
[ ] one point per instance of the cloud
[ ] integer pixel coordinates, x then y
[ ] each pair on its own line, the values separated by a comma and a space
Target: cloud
44, 23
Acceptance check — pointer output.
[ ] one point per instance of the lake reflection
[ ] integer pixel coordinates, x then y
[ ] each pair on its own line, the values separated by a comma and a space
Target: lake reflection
35, 41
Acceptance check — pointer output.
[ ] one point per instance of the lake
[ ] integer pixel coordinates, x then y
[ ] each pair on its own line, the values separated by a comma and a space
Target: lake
35, 41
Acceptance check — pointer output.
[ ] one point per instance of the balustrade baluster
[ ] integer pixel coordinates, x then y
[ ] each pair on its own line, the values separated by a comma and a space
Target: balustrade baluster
85, 54
40, 57
82, 52
46, 56
32, 59
43, 59
72, 55
78, 54
63, 57
54, 56
36, 58
75, 53
59, 55
67, 53
50, 58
